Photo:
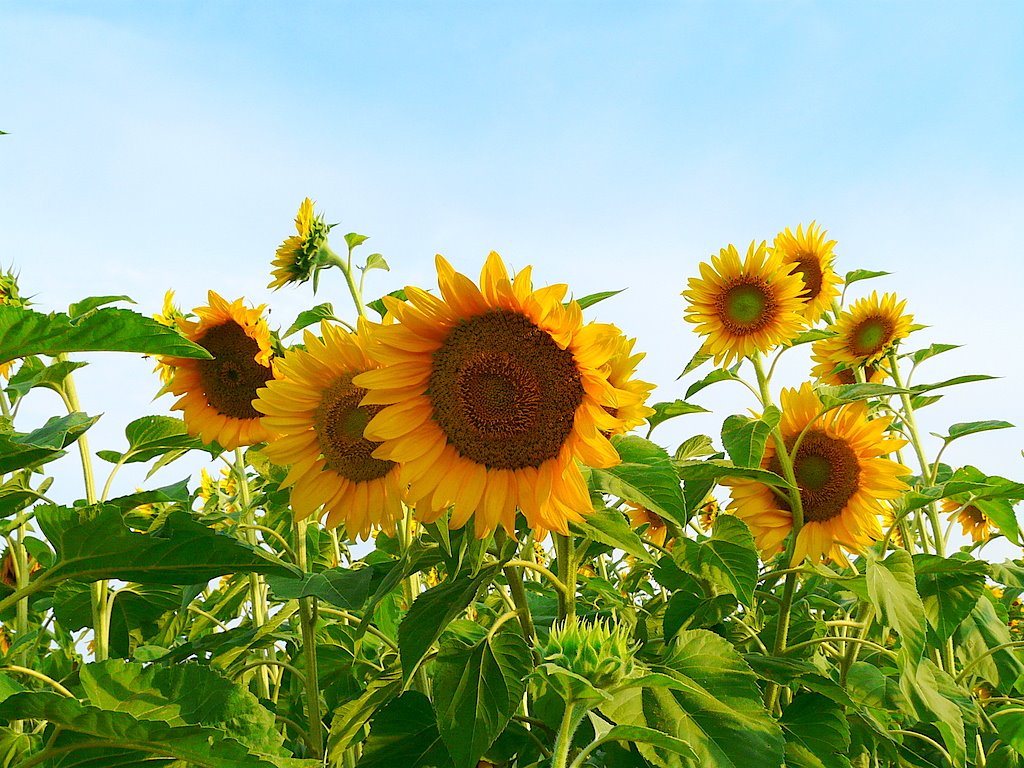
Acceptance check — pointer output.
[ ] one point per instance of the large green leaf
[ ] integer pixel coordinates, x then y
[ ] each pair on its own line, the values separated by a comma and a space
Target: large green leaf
153, 436
817, 733
309, 317
949, 589
925, 687
33, 373
25, 332
963, 429
665, 411
892, 589
477, 689
342, 587
99, 729
645, 476
352, 716
32, 449
728, 558
94, 543
433, 610
404, 733
982, 631
609, 526
744, 437
1009, 722
715, 706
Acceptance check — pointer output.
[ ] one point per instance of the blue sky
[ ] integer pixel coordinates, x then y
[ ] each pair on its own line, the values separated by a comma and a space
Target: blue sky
612, 145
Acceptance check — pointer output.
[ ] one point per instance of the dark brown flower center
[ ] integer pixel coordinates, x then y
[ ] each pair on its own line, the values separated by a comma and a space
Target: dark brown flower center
871, 336
808, 266
231, 378
504, 393
974, 515
827, 474
747, 307
339, 422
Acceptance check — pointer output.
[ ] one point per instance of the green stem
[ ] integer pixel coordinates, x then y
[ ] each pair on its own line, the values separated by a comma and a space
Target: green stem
256, 594
515, 587
564, 547
346, 269
307, 617
538, 568
38, 676
574, 714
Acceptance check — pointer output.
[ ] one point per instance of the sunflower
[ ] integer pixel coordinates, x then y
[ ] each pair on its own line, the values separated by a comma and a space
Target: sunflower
216, 395
630, 394
889, 521
170, 316
315, 409
865, 332
830, 371
9, 296
813, 257
708, 513
298, 256
973, 521
842, 476
745, 307
492, 395
640, 516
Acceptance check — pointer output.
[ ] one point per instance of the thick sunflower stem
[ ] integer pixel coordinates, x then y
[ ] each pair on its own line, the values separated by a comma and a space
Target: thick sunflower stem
256, 594
574, 714
564, 547
928, 472
307, 617
411, 586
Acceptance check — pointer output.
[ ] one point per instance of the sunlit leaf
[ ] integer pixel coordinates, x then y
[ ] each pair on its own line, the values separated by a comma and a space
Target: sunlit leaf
717, 375
85, 306
609, 526
665, 411
856, 275
971, 428
892, 588
949, 589
32, 449
744, 438
310, 317
645, 476
152, 436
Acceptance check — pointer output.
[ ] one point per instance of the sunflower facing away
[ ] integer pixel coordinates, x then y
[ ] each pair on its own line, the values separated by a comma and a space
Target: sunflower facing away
865, 332
842, 475
973, 522
834, 372
812, 256
745, 306
297, 256
630, 394
216, 395
170, 316
315, 410
492, 395
657, 531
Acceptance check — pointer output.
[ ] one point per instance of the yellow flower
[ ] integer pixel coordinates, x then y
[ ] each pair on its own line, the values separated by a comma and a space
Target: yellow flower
170, 316
709, 511
216, 395
640, 516
314, 407
745, 307
813, 257
973, 522
630, 394
830, 371
492, 395
888, 520
865, 333
298, 256
842, 475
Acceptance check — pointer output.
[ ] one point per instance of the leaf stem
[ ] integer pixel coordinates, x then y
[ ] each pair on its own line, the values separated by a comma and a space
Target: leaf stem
564, 547
307, 618
38, 676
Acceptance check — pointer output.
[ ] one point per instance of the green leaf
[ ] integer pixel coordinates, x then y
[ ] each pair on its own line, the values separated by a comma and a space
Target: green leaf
931, 351
696, 446
968, 379
971, 428
840, 394
178, 493
686, 610
949, 590
856, 275
344, 588
716, 707
353, 239
350, 718
85, 306
645, 476
433, 610
728, 558
477, 689
609, 526
25, 332
404, 733
744, 437
981, 632
1009, 722
665, 411
698, 359
201, 746
924, 688
35, 373
892, 588
152, 436
717, 375
638, 734
93, 543
376, 261
309, 317
33, 449
594, 298
817, 733
377, 305
715, 469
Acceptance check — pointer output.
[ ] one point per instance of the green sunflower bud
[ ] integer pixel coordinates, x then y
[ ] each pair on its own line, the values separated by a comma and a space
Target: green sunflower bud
599, 652
9, 294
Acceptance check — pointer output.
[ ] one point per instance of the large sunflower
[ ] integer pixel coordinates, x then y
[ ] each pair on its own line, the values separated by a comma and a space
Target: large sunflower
745, 306
812, 256
865, 332
973, 521
313, 407
216, 395
843, 477
492, 395
630, 394
297, 257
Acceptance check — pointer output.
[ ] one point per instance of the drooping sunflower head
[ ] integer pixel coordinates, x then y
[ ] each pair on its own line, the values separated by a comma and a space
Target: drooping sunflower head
315, 409
299, 255
748, 306
842, 474
828, 370
640, 516
811, 254
630, 394
492, 394
216, 395
866, 332
973, 521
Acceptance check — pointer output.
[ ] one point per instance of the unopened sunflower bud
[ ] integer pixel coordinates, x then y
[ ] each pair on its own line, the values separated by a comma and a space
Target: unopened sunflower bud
598, 652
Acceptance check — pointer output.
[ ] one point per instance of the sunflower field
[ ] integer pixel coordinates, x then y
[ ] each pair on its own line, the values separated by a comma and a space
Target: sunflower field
438, 529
